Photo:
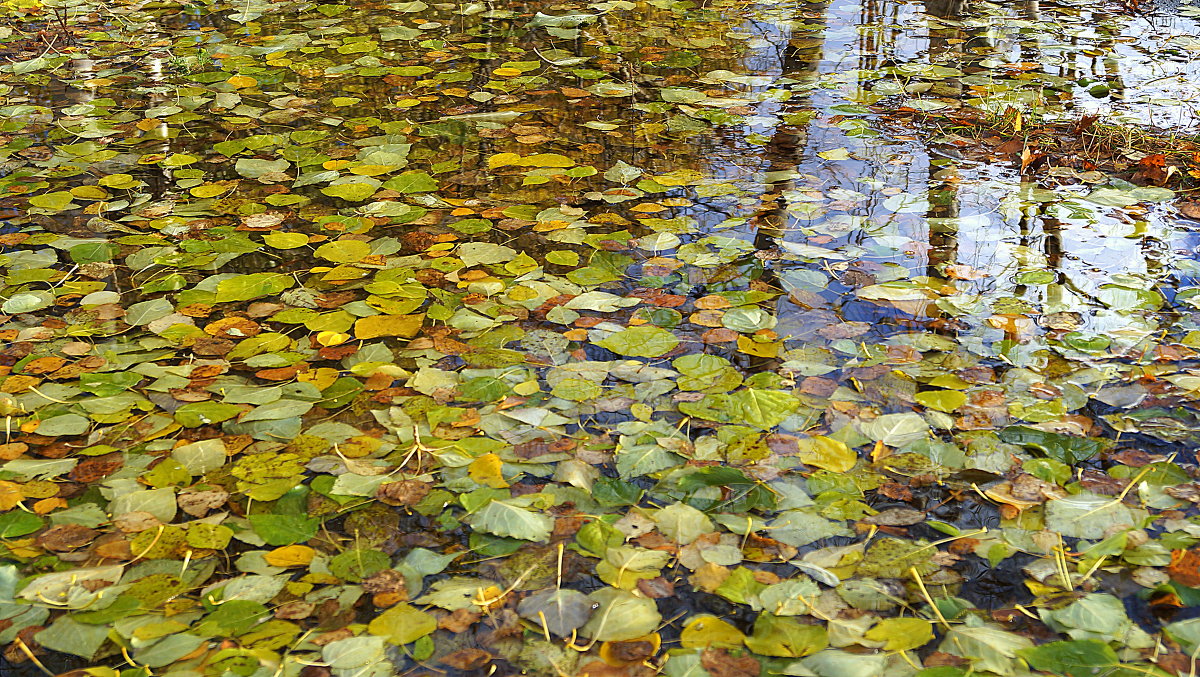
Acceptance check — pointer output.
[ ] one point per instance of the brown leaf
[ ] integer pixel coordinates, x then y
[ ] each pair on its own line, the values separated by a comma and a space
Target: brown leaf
721, 335
13, 450
18, 384
1189, 209
112, 546
295, 610
459, 620
233, 328
628, 652
404, 492
43, 365
896, 491
66, 537
602, 669
709, 577
821, 387
97, 468
720, 663
387, 580
656, 588
467, 659
198, 503
212, 347
896, 517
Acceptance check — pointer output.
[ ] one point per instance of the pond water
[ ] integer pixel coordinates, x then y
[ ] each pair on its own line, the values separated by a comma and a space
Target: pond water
710, 338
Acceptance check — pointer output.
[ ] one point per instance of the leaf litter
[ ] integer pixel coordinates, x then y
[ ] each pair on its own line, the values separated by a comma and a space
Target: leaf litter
598, 339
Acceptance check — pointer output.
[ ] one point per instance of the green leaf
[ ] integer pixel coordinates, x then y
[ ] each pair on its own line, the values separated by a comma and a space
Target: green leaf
644, 341
793, 597
197, 414
620, 615
53, 202
902, 634
67, 424
845, 664
896, 430
785, 637
71, 637
991, 649
168, 650
93, 252
1087, 515
1096, 616
1076, 658
19, 523
253, 168
284, 529
357, 564
353, 192
412, 182
210, 536
762, 408
27, 302
503, 519
682, 523
560, 610
353, 652
455, 593
798, 528
1065, 448
253, 286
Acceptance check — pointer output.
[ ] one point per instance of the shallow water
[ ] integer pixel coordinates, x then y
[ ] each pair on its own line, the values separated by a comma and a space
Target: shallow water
409, 242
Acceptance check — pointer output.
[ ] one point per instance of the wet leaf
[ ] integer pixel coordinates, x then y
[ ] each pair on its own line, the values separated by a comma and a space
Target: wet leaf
640, 342
505, 519
402, 624
619, 615
560, 611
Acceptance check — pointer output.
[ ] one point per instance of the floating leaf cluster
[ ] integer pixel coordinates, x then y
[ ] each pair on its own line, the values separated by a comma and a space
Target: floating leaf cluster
350, 340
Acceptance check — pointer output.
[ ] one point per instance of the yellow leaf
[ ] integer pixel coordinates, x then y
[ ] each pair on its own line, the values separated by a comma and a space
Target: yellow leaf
24, 547
241, 81
828, 453
344, 251
703, 632
334, 164
118, 181
485, 470
332, 338
749, 346
322, 378
281, 240
372, 170
547, 160
290, 556
49, 505
506, 72
10, 495
213, 189
89, 193
526, 388
375, 326
679, 177
503, 160
489, 598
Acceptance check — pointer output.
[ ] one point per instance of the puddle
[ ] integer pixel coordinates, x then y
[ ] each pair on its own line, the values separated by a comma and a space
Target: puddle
511, 270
